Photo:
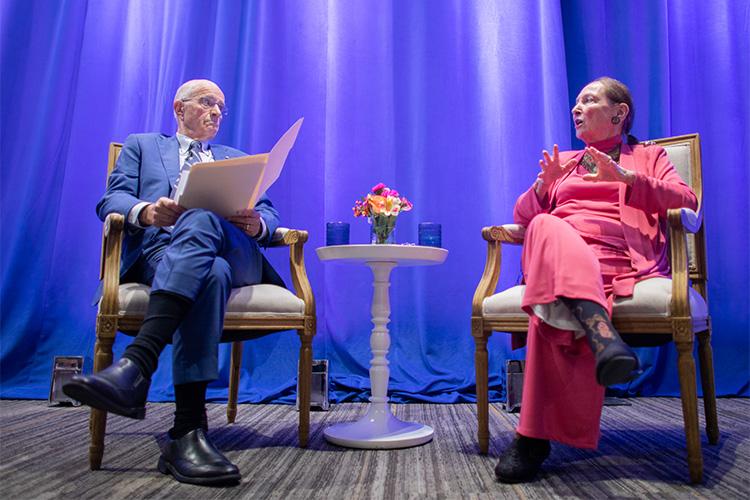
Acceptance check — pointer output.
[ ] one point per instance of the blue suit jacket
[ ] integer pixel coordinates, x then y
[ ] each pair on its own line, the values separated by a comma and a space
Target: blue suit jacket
146, 170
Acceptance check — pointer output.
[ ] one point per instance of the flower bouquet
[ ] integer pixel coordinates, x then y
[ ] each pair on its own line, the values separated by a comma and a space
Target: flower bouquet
381, 206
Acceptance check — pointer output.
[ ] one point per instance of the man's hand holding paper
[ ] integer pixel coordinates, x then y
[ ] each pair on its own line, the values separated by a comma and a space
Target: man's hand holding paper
163, 212
248, 221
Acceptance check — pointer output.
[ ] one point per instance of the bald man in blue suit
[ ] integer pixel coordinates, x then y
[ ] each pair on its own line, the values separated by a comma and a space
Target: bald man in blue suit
192, 259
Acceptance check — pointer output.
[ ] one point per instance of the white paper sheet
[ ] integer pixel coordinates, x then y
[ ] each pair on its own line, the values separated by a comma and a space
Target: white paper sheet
228, 186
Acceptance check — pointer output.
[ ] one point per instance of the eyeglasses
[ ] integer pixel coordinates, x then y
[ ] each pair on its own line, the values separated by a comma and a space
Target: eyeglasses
209, 102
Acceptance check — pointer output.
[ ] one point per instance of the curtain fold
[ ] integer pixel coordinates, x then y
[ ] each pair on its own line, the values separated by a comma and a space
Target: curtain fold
449, 102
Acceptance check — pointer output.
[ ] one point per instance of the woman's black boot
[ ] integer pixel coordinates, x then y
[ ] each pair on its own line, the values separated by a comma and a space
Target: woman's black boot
615, 360
521, 461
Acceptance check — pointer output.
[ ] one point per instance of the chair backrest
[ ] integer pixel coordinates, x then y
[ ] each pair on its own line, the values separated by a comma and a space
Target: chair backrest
114, 153
685, 153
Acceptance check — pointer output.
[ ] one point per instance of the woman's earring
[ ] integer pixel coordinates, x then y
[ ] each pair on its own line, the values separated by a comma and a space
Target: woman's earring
615, 120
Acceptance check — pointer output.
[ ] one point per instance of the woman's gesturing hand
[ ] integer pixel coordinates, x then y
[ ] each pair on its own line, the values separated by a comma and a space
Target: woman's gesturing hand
551, 170
607, 170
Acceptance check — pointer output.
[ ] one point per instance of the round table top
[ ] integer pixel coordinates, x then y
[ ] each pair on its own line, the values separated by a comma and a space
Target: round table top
403, 255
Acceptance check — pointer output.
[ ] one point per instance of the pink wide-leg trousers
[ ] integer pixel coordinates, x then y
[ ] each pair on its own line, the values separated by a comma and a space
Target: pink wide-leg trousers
561, 398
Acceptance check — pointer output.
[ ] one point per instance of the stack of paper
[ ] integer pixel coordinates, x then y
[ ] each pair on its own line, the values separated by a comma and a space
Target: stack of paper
228, 186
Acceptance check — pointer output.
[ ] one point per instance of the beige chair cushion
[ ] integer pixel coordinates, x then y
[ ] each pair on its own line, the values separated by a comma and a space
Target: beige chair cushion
506, 304
245, 302
682, 158
651, 297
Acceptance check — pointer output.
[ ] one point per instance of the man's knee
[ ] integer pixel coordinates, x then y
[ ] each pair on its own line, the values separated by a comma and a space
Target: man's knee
220, 275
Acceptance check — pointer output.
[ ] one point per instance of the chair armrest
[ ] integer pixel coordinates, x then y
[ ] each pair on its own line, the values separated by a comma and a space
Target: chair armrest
680, 306
690, 220
277, 240
114, 225
495, 236
507, 233
295, 239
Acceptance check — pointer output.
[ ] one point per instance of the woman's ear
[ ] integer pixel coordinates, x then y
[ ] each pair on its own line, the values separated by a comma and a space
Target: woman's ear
623, 110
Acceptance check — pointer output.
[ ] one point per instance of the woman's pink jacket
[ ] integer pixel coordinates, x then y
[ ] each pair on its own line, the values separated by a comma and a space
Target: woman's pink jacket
643, 209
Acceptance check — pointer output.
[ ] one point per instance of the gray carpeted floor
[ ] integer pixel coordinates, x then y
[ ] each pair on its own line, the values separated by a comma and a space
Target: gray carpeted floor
43, 454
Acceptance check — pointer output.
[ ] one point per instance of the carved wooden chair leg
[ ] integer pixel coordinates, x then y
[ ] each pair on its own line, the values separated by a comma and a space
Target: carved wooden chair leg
234, 381
305, 381
706, 357
481, 366
688, 394
98, 418
97, 429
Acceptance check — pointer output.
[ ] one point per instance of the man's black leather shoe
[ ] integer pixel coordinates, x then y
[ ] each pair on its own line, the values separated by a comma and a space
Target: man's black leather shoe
119, 388
194, 459
521, 461
616, 364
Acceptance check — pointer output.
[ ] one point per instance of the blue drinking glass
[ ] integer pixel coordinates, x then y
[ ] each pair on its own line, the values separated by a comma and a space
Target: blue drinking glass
430, 234
337, 233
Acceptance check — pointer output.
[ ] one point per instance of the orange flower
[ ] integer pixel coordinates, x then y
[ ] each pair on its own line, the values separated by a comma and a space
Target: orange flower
377, 203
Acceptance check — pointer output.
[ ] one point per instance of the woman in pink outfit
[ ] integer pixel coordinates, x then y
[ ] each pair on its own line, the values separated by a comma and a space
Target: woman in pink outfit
596, 225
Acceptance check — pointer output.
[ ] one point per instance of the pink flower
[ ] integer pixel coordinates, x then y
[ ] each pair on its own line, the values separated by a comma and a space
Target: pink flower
378, 187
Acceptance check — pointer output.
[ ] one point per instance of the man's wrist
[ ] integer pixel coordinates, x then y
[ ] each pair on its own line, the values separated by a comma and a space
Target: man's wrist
136, 213
142, 216
261, 229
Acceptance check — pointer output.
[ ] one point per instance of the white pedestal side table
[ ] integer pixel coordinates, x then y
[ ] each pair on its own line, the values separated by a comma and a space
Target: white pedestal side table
379, 429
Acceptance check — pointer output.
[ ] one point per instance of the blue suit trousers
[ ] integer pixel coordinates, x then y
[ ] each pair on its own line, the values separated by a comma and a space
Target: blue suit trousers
203, 258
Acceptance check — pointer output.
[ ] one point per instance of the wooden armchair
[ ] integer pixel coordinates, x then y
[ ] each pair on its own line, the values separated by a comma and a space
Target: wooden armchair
252, 311
661, 310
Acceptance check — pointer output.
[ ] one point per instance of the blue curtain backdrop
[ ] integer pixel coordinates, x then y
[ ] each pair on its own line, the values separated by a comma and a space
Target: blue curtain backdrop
450, 102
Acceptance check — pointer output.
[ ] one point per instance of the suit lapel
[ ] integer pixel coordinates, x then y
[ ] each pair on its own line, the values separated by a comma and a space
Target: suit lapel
169, 149
220, 152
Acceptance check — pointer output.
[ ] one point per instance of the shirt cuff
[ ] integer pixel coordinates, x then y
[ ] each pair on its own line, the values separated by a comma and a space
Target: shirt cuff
263, 230
135, 213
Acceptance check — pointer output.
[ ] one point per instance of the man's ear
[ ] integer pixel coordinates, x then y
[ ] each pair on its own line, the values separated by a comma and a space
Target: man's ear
179, 109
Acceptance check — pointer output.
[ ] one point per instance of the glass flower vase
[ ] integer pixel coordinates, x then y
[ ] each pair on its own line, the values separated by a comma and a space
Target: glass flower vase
382, 229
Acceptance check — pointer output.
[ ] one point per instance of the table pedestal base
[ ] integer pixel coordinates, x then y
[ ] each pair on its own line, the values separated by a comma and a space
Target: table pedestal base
378, 429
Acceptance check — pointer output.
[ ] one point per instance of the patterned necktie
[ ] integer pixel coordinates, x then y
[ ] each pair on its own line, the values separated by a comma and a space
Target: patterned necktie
193, 157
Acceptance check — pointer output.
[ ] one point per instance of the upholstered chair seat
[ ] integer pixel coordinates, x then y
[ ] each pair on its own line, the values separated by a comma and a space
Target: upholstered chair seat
246, 302
651, 297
